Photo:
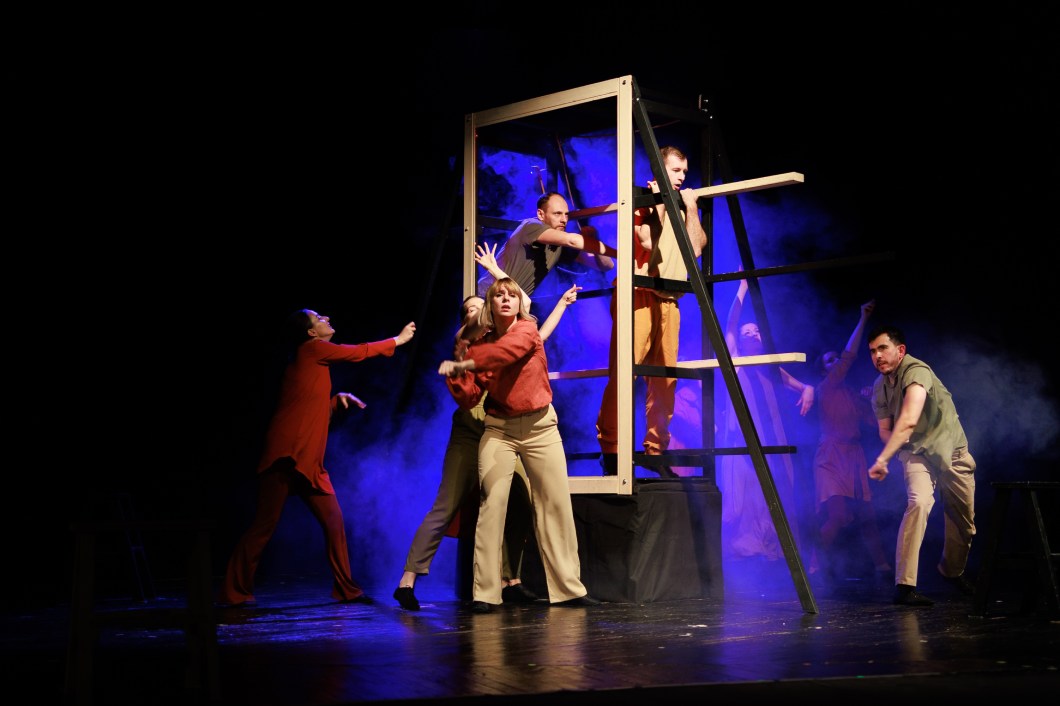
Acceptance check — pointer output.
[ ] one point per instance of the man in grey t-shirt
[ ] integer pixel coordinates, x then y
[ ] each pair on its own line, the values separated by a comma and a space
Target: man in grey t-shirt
536, 245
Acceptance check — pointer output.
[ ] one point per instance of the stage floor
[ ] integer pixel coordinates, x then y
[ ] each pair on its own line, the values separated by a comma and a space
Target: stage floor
296, 646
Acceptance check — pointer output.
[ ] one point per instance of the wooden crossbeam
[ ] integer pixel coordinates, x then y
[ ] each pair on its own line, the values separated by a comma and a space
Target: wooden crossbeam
768, 359
735, 187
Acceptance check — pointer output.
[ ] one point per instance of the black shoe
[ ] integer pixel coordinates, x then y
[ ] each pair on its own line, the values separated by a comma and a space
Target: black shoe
663, 471
962, 584
481, 607
518, 593
404, 596
907, 595
582, 602
610, 464
363, 599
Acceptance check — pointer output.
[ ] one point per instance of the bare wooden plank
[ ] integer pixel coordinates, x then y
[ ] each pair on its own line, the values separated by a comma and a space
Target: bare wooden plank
739, 187
736, 187
767, 359
605, 485
553, 101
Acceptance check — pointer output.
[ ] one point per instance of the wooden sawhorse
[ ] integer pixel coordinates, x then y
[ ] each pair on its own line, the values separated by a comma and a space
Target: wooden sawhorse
196, 619
1041, 558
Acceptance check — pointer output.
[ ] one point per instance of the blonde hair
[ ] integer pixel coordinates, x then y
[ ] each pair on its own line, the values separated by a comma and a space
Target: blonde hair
485, 317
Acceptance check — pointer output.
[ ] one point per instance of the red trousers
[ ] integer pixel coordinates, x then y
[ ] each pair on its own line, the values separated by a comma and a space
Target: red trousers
276, 485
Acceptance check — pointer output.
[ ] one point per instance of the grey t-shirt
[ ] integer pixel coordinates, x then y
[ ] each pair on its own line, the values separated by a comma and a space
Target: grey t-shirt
523, 258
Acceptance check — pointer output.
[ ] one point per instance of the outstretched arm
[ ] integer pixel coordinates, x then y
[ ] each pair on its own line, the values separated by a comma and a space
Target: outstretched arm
596, 260
568, 298
854, 342
487, 257
732, 324
806, 392
452, 368
585, 240
470, 329
406, 333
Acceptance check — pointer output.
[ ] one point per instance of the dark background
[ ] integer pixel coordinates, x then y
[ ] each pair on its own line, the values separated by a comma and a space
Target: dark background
179, 182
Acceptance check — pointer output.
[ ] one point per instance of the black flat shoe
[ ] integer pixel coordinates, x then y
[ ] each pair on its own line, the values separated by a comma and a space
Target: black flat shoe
481, 607
363, 599
665, 472
406, 598
581, 602
907, 595
518, 593
962, 584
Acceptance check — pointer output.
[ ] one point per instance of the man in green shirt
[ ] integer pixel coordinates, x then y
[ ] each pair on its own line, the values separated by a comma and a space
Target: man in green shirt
918, 422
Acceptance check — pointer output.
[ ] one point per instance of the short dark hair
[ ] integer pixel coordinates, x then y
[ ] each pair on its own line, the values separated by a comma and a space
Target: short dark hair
542, 203
818, 362
895, 334
296, 328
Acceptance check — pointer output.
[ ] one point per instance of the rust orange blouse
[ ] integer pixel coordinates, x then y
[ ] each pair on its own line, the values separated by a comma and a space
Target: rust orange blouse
299, 427
512, 368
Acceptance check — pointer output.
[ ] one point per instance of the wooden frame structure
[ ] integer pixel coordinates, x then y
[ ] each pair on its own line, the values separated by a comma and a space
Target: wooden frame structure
630, 113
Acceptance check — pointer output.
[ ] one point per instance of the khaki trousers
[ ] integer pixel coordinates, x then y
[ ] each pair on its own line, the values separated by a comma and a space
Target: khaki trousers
956, 486
535, 438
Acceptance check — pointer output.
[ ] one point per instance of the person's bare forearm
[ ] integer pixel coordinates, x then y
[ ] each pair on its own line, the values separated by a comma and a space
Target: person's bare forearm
585, 240
594, 245
568, 298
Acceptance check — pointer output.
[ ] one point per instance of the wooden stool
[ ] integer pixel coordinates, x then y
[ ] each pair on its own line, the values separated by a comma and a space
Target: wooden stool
1041, 559
196, 619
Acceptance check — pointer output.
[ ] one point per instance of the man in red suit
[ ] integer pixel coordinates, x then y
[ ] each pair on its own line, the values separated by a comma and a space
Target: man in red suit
293, 460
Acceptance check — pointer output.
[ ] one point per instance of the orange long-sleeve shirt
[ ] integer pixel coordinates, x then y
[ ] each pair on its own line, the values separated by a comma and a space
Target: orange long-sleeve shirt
299, 427
512, 368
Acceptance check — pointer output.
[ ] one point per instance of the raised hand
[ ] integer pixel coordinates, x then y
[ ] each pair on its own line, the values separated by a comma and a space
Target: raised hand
406, 333
487, 257
571, 295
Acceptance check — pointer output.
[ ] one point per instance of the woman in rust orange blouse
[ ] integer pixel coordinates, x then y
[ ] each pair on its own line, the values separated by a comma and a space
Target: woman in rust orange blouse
508, 364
